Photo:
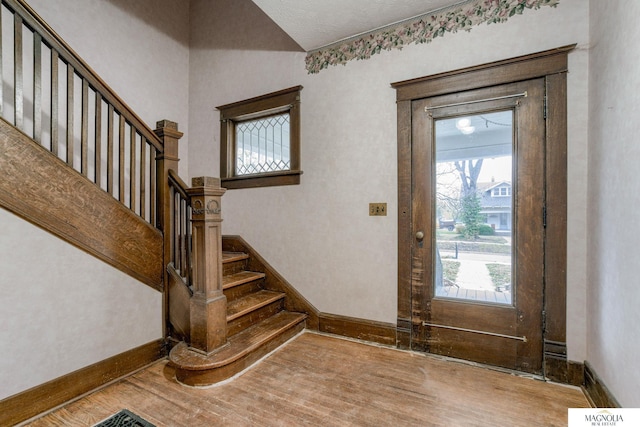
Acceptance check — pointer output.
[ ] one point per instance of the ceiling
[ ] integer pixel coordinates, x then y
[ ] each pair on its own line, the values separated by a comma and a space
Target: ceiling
318, 23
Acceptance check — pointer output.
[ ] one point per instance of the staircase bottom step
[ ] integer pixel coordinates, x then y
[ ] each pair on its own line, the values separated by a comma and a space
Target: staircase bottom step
242, 350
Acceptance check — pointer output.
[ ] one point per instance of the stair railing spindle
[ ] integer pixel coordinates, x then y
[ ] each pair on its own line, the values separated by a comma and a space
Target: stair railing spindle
89, 132
54, 102
18, 84
70, 99
37, 88
132, 169
98, 140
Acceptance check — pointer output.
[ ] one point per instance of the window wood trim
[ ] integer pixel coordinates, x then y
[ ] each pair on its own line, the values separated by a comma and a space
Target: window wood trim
286, 100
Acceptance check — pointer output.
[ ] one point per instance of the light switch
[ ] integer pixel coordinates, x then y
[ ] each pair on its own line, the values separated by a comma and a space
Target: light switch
377, 209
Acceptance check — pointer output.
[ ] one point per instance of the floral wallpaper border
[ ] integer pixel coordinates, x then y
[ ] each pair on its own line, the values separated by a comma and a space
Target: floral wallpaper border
421, 30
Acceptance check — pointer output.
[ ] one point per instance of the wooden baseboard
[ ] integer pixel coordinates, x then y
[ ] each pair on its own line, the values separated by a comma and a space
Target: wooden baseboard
403, 334
597, 392
564, 371
558, 368
42, 398
362, 329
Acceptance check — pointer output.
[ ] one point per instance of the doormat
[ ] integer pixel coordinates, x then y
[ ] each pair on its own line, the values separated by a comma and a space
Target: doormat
124, 418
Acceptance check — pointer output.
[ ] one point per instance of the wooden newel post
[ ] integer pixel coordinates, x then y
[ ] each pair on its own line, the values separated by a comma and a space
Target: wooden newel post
168, 133
208, 304
168, 159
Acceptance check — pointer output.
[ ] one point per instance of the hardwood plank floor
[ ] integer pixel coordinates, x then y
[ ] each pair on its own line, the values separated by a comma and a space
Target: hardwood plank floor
322, 380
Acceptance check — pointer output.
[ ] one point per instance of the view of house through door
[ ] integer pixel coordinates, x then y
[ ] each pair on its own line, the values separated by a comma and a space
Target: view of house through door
473, 206
478, 192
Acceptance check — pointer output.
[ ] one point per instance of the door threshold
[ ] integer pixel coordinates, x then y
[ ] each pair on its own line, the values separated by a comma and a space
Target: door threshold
513, 372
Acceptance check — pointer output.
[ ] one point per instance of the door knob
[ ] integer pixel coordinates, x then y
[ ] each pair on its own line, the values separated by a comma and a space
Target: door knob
419, 235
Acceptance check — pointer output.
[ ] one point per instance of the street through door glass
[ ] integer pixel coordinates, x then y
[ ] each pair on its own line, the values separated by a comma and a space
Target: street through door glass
474, 207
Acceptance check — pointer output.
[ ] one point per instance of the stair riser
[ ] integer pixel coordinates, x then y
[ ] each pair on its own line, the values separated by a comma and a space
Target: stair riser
249, 319
240, 291
232, 267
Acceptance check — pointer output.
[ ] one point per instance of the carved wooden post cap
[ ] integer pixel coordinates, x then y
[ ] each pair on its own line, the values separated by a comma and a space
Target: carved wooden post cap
168, 130
205, 181
166, 124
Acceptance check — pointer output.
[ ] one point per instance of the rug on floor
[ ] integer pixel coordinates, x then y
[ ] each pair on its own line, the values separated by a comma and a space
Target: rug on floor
124, 418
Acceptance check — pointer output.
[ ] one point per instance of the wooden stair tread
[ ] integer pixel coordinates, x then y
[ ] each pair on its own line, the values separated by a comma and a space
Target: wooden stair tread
239, 345
251, 302
228, 257
236, 279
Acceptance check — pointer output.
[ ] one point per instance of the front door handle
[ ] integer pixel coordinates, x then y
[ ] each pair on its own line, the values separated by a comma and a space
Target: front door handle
420, 236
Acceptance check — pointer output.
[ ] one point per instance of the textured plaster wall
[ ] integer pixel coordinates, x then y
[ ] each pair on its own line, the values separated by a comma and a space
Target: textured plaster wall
614, 154
61, 309
319, 234
139, 48
169, 63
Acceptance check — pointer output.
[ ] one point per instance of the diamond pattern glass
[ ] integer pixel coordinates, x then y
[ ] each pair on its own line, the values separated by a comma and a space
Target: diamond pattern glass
262, 145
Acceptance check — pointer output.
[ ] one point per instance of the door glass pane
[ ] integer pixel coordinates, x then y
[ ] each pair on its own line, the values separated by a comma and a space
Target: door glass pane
474, 208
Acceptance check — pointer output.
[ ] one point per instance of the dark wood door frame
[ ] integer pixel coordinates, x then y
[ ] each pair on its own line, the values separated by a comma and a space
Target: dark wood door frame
552, 65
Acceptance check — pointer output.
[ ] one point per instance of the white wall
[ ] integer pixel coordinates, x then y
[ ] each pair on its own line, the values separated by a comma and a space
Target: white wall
61, 309
614, 154
319, 234
140, 49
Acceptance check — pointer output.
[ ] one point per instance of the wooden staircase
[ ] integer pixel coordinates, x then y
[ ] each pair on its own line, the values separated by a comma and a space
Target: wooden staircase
257, 323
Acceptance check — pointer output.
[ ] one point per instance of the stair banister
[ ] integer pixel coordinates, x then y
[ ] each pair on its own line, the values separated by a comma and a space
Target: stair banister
89, 126
167, 132
30, 18
201, 245
208, 303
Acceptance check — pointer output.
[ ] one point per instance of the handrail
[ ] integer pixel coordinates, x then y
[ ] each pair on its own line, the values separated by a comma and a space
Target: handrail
32, 20
108, 143
178, 183
122, 156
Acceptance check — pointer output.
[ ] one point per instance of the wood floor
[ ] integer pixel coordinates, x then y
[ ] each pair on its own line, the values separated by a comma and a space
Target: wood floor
325, 381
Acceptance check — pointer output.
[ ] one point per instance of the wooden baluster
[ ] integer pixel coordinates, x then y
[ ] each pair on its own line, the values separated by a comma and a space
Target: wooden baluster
132, 168
54, 102
98, 139
70, 101
188, 253
121, 159
153, 193
143, 179
37, 87
110, 166
175, 232
1, 68
168, 133
208, 308
182, 233
84, 130
18, 89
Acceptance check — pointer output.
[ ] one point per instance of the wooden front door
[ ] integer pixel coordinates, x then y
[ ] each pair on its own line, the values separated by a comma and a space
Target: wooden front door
478, 159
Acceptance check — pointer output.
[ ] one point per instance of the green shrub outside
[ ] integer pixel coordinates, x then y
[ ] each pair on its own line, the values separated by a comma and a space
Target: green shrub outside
486, 230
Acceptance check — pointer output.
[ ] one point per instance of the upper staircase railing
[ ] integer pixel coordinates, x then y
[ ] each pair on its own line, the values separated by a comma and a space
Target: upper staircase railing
58, 103
56, 99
